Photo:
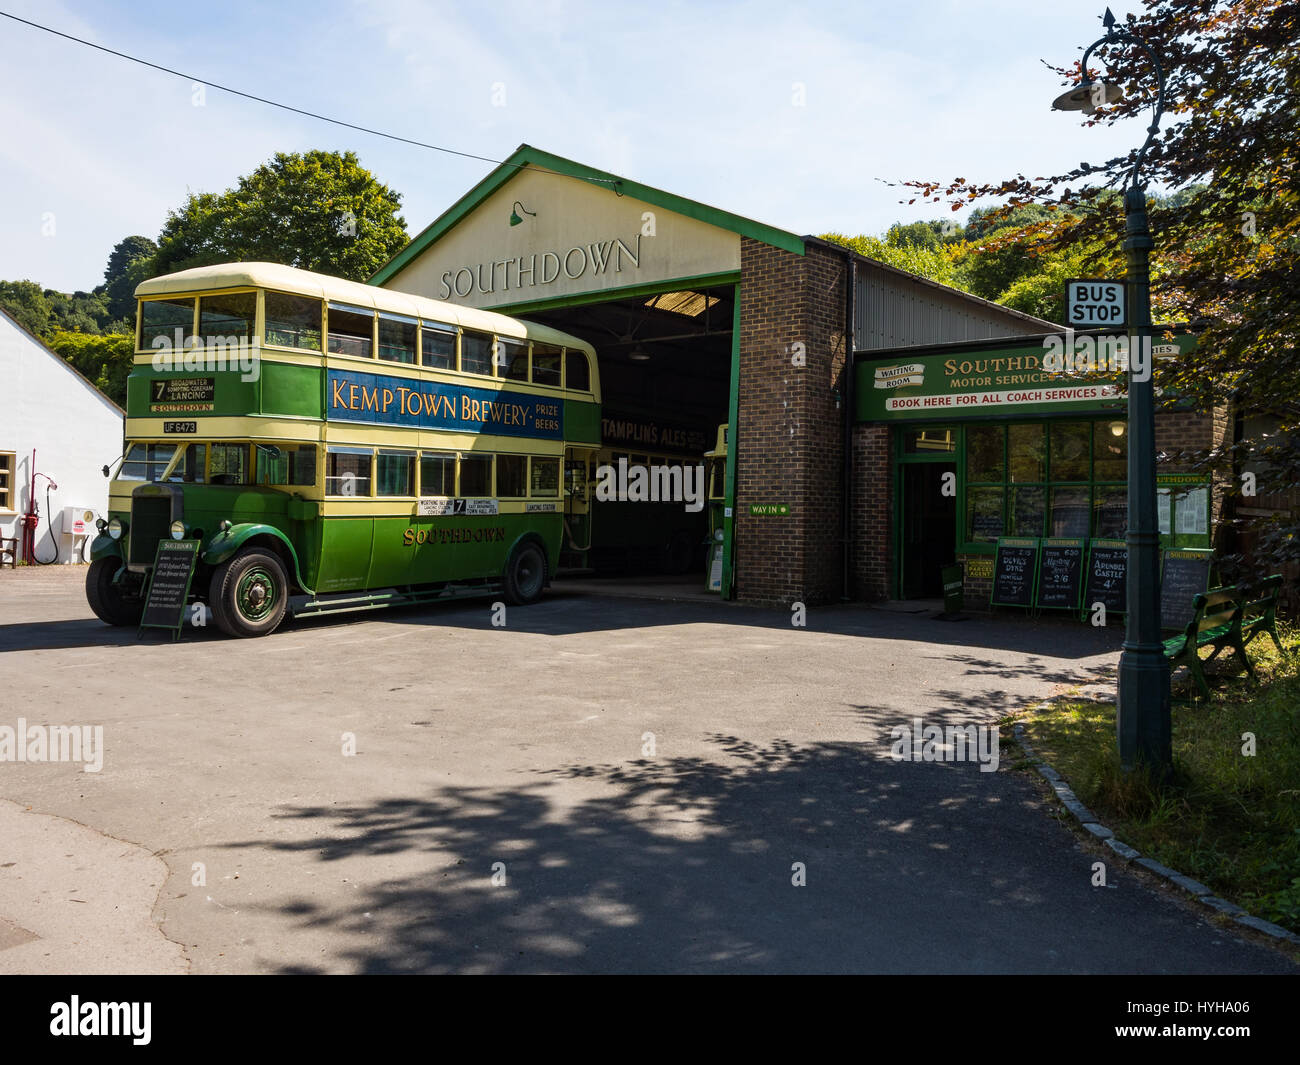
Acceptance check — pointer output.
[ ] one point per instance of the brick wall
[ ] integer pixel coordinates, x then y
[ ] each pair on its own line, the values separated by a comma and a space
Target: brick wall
1179, 434
789, 438
873, 512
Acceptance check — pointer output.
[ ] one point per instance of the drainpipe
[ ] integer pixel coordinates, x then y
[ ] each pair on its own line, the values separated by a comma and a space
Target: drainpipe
850, 375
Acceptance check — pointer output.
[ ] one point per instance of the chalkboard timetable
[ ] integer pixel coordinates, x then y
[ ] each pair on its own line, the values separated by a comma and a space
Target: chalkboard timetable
169, 587
1185, 574
1107, 576
1014, 570
1060, 574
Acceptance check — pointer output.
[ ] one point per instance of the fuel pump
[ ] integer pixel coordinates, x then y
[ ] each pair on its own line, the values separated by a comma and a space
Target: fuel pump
32, 518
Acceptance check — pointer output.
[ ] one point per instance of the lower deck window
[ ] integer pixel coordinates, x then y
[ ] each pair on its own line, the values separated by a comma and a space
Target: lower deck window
437, 474
395, 474
512, 476
475, 475
546, 477
347, 472
229, 464
293, 464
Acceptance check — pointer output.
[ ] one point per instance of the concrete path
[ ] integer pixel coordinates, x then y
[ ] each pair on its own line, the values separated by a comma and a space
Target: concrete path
604, 785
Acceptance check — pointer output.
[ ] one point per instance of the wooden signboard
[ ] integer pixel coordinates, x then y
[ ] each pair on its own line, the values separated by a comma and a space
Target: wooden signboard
1015, 568
169, 586
1184, 575
1060, 574
1107, 581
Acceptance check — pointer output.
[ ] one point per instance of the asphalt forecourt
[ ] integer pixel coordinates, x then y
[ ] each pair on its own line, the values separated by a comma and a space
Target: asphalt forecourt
590, 784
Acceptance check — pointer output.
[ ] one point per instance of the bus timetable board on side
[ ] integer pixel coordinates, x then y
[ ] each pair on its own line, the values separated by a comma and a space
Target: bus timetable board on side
1014, 571
1060, 574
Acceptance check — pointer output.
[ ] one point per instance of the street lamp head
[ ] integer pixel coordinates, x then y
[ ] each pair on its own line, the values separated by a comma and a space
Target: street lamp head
1087, 96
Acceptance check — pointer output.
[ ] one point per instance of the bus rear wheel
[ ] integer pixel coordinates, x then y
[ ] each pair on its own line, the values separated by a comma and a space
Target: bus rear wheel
109, 600
525, 575
249, 594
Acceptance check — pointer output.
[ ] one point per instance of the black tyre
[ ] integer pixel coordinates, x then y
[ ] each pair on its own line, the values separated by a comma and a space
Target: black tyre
249, 594
525, 574
111, 602
677, 554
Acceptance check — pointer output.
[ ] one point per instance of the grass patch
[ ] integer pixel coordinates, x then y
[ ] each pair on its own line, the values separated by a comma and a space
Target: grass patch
1229, 820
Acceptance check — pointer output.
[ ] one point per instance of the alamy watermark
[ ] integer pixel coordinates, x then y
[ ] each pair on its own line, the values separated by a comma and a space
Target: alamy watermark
215, 354
53, 743
651, 484
919, 742
1109, 353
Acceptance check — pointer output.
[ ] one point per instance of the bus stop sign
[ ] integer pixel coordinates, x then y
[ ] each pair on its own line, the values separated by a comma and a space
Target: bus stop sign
1092, 303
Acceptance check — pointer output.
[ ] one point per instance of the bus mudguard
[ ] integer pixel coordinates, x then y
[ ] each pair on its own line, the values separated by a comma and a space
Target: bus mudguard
104, 546
227, 542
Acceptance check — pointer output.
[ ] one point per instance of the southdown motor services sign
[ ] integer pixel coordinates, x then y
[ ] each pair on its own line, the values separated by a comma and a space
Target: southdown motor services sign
1007, 381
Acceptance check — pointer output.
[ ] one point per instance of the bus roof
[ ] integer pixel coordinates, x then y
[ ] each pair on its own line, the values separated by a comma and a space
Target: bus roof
323, 286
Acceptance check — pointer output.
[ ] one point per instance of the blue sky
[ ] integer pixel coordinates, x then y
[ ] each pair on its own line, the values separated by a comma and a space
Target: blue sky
696, 98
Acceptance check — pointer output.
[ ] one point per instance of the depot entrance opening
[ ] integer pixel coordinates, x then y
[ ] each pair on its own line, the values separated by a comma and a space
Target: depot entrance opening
665, 362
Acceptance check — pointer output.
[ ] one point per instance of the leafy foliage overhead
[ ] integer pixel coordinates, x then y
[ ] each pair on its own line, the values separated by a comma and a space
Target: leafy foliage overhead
1228, 238
318, 211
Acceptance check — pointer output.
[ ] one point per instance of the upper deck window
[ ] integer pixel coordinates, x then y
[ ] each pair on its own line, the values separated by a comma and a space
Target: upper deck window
513, 359
228, 315
546, 364
438, 345
396, 338
579, 373
352, 330
293, 321
476, 353
162, 318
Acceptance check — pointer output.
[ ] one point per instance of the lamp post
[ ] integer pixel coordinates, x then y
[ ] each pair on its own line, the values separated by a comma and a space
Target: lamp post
1142, 718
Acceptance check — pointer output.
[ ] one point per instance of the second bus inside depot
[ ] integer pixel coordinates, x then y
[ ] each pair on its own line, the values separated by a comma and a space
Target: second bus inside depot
881, 426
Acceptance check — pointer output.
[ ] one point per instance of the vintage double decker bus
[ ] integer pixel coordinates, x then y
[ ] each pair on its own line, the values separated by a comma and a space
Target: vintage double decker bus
332, 445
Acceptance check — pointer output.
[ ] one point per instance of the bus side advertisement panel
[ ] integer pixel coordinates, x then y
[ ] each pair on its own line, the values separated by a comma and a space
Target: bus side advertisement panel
378, 399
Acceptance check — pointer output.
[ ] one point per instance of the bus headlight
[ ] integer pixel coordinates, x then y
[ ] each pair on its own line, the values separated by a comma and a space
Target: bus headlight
178, 530
116, 528
101, 525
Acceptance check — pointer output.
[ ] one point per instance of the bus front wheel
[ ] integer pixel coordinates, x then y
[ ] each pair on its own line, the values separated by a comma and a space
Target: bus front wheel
249, 594
525, 574
108, 600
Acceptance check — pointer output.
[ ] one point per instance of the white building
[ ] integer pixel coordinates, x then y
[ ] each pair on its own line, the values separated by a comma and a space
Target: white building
49, 408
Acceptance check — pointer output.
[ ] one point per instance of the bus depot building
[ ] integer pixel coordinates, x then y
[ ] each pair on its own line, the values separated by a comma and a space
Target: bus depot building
880, 425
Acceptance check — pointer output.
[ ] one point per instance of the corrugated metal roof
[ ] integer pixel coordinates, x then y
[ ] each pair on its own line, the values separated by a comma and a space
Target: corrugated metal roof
893, 308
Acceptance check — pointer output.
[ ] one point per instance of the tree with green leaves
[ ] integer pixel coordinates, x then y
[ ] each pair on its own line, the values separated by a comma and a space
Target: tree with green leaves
937, 261
318, 211
105, 361
25, 303
128, 265
1227, 240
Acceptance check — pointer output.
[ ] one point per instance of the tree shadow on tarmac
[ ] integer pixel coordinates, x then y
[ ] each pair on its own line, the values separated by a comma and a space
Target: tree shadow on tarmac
686, 864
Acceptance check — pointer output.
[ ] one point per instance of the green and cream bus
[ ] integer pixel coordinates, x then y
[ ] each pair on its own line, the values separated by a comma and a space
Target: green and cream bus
333, 445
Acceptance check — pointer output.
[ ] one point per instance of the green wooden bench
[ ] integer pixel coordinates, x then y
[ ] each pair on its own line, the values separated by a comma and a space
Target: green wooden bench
1260, 612
1217, 624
